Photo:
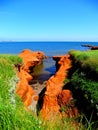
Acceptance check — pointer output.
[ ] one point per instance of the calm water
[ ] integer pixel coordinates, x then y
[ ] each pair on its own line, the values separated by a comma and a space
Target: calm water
49, 48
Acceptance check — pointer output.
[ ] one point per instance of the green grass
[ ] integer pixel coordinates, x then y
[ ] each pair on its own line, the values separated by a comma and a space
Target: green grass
85, 74
88, 86
87, 59
13, 116
84, 77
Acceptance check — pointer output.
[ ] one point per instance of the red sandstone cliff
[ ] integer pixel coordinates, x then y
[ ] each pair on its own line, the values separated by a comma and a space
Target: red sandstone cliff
55, 97
30, 59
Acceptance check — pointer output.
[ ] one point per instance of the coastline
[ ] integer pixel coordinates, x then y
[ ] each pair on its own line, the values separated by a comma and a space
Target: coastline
56, 85
49, 48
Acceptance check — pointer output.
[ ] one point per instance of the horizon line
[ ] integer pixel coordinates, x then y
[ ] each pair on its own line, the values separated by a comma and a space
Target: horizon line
43, 41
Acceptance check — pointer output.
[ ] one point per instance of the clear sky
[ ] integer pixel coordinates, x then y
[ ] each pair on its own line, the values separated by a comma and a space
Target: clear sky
49, 20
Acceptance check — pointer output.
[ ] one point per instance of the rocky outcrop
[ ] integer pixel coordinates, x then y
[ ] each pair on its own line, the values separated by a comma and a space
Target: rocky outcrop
91, 47
55, 98
30, 60
67, 104
54, 95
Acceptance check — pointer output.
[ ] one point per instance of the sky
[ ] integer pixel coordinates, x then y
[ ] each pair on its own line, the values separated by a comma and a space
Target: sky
48, 20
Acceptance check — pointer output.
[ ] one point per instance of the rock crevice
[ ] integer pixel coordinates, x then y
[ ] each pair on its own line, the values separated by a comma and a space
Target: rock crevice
55, 97
52, 99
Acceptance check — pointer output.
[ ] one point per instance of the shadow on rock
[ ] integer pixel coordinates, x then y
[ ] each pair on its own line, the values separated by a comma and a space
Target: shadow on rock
40, 101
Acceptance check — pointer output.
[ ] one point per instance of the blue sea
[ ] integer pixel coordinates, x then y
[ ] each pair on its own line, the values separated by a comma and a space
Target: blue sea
49, 48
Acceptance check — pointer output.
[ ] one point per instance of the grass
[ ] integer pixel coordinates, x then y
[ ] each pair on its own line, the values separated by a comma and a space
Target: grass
13, 115
85, 74
87, 59
83, 77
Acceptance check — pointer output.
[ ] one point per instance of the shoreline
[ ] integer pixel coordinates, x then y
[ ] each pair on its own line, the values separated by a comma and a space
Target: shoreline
61, 88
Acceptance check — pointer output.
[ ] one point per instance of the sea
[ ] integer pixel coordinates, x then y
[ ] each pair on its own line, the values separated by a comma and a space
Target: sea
50, 49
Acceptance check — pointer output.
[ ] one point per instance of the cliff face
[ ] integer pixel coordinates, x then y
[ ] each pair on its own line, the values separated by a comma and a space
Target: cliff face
30, 59
55, 97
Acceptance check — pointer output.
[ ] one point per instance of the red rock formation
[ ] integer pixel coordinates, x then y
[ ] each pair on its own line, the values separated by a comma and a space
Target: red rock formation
54, 86
30, 59
64, 97
66, 102
24, 90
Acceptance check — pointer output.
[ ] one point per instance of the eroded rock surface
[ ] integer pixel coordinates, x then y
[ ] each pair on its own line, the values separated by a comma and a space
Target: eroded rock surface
67, 105
55, 97
30, 59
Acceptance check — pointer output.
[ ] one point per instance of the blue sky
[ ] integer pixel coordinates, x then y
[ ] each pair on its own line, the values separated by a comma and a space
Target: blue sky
49, 20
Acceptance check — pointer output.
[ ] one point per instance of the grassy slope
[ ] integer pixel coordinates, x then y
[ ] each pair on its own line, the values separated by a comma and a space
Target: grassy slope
84, 77
86, 71
13, 116
88, 59
12, 113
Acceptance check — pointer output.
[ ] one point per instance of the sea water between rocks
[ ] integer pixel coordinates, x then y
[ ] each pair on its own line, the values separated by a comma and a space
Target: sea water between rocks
49, 48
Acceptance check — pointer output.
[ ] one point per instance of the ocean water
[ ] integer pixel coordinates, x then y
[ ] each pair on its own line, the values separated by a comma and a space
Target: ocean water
49, 48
